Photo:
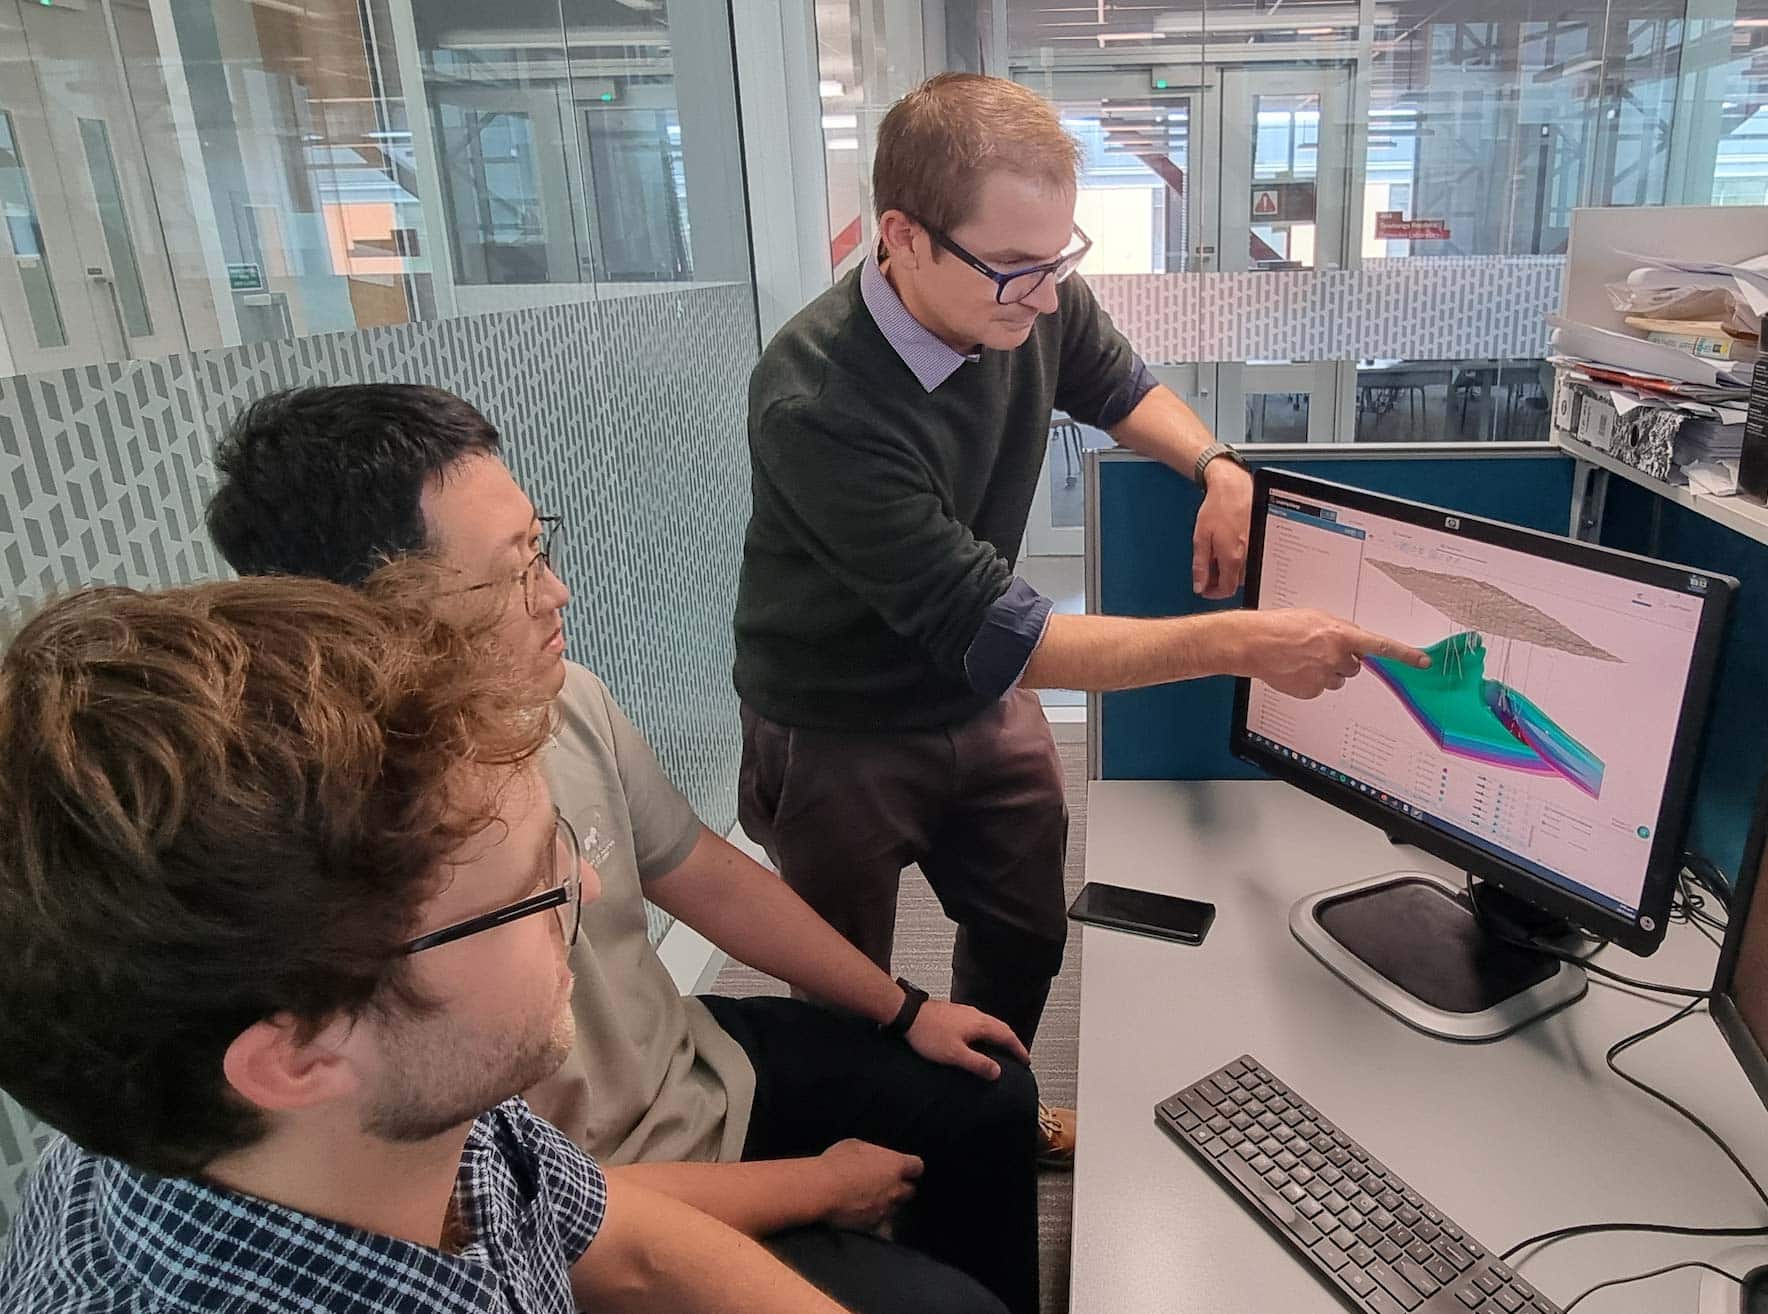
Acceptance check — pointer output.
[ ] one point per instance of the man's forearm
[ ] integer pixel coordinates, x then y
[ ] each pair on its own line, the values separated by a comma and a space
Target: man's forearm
654, 1253
1104, 653
757, 1199
756, 918
1163, 428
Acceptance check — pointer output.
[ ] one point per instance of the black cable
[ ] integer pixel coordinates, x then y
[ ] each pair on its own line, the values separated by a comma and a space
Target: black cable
1627, 1042
1641, 1277
1672, 1229
1667, 1229
1681, 992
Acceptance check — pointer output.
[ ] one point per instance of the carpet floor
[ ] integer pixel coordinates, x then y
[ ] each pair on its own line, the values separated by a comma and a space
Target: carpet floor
923, 955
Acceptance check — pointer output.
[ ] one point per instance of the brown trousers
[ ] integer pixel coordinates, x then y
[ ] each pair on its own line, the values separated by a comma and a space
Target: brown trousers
977, 805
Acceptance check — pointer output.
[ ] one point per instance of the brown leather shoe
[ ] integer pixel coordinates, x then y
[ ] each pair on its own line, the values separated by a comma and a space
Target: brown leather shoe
1057, 1129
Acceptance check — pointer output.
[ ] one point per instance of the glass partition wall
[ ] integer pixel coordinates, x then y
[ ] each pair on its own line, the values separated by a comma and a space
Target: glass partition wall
203, 173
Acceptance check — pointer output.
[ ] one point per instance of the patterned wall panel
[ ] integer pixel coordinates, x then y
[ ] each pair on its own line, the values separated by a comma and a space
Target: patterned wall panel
625, 416
1417, 309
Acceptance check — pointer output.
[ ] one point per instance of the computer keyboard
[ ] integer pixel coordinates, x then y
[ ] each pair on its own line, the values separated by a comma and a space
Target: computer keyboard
1364, 1230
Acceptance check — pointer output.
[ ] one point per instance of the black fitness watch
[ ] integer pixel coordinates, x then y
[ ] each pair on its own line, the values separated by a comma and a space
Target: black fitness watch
913, 998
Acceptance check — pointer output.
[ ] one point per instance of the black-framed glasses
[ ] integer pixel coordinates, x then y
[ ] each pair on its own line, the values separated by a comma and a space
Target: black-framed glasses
552, 537
565, 898
1013, 286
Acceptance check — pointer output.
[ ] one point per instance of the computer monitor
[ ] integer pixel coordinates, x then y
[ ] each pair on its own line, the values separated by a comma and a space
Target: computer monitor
1740, 990
1547, 751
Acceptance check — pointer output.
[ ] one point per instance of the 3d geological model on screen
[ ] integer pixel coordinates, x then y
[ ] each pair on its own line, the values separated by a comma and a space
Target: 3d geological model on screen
1472, 716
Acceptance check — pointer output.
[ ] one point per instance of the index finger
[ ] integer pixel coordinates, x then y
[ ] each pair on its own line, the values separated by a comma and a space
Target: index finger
1378, 645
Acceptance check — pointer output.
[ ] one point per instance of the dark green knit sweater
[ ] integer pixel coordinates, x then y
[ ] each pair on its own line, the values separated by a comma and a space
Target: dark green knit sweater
887, 519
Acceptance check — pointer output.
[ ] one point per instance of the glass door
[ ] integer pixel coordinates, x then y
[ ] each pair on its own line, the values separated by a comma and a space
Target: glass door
82, 158
1285, 204
1141, 200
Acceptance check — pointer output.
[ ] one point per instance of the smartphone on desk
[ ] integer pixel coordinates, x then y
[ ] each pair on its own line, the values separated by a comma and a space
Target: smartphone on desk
1143, 912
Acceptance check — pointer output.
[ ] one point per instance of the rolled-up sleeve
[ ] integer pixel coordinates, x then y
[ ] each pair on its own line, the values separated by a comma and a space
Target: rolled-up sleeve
1010, 632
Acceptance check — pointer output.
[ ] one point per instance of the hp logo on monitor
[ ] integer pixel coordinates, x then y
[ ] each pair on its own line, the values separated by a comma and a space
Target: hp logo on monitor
1451, 522
1698, 583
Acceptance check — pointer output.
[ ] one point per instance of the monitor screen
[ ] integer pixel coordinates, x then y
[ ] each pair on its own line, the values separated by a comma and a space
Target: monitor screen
1741, 990
1545, 736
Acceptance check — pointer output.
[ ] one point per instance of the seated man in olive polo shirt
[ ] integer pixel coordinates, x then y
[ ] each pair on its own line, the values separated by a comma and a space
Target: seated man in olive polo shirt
794, 1123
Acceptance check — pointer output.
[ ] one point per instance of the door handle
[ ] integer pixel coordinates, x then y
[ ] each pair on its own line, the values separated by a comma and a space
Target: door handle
98, 275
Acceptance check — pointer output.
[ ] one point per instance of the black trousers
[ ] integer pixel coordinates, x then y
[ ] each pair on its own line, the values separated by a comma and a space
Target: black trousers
822, 1077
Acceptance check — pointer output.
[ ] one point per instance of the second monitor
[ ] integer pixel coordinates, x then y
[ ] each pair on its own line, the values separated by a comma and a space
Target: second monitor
1547, 751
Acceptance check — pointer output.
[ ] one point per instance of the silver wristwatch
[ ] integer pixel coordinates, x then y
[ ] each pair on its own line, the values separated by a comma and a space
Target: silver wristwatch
1209, 454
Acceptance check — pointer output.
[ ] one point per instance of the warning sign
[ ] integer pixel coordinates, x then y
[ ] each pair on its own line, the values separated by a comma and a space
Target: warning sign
1283, 203
1391, 225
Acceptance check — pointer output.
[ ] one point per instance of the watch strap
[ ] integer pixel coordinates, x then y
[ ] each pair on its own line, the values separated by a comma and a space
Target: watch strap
912, 999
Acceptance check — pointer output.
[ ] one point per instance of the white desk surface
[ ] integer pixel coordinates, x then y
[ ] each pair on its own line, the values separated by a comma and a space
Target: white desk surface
1510, 1138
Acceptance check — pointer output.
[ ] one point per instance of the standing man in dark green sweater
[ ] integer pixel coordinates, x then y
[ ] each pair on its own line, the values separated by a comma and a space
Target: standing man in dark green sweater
885, 650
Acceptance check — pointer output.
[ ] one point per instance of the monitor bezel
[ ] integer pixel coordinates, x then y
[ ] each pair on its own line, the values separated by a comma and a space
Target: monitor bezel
1748, 1051
1641, 934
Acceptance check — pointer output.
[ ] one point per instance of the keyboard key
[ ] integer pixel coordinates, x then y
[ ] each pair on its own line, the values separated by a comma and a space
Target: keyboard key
1241, 1121
1472, 1297
1488, 1282
1239, 1066
1456, 1255
1328, 1173
1352, 1219
1370, 1236
1317, 1161
1261, 1164
1361, 1255
1357, 1280
1509, 1300
1303, 1231
1420, 1251
1302, 1174
1285, 1160
1379, 1216
1218, 1124
1444, 1273
1405, 1212
1294, 1194
1388, 1251
1338, 1156
1309, 1208
1391, 1200
1417, 1276
1234, 1139
1330, 1255
1395, 1285
1335, 1202
1380, 1302
1401, 1236
1195, 1102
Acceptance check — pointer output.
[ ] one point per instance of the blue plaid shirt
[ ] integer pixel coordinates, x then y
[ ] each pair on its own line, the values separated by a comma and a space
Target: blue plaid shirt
98, 1236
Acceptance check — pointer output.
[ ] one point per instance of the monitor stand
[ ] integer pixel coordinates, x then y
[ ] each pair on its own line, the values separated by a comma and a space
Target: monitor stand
1409, 940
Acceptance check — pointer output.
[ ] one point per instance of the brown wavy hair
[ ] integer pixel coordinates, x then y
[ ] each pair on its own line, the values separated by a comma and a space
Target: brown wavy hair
219, 804
938, 143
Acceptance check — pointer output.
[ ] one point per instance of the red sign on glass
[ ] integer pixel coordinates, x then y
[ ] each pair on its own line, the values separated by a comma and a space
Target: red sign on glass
1392, 225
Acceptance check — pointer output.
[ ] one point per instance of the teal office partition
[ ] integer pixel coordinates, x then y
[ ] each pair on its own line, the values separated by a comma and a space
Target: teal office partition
1140, 517
1734, 754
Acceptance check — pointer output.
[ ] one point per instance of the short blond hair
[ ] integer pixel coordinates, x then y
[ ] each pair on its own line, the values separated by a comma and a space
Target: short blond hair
938, 143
